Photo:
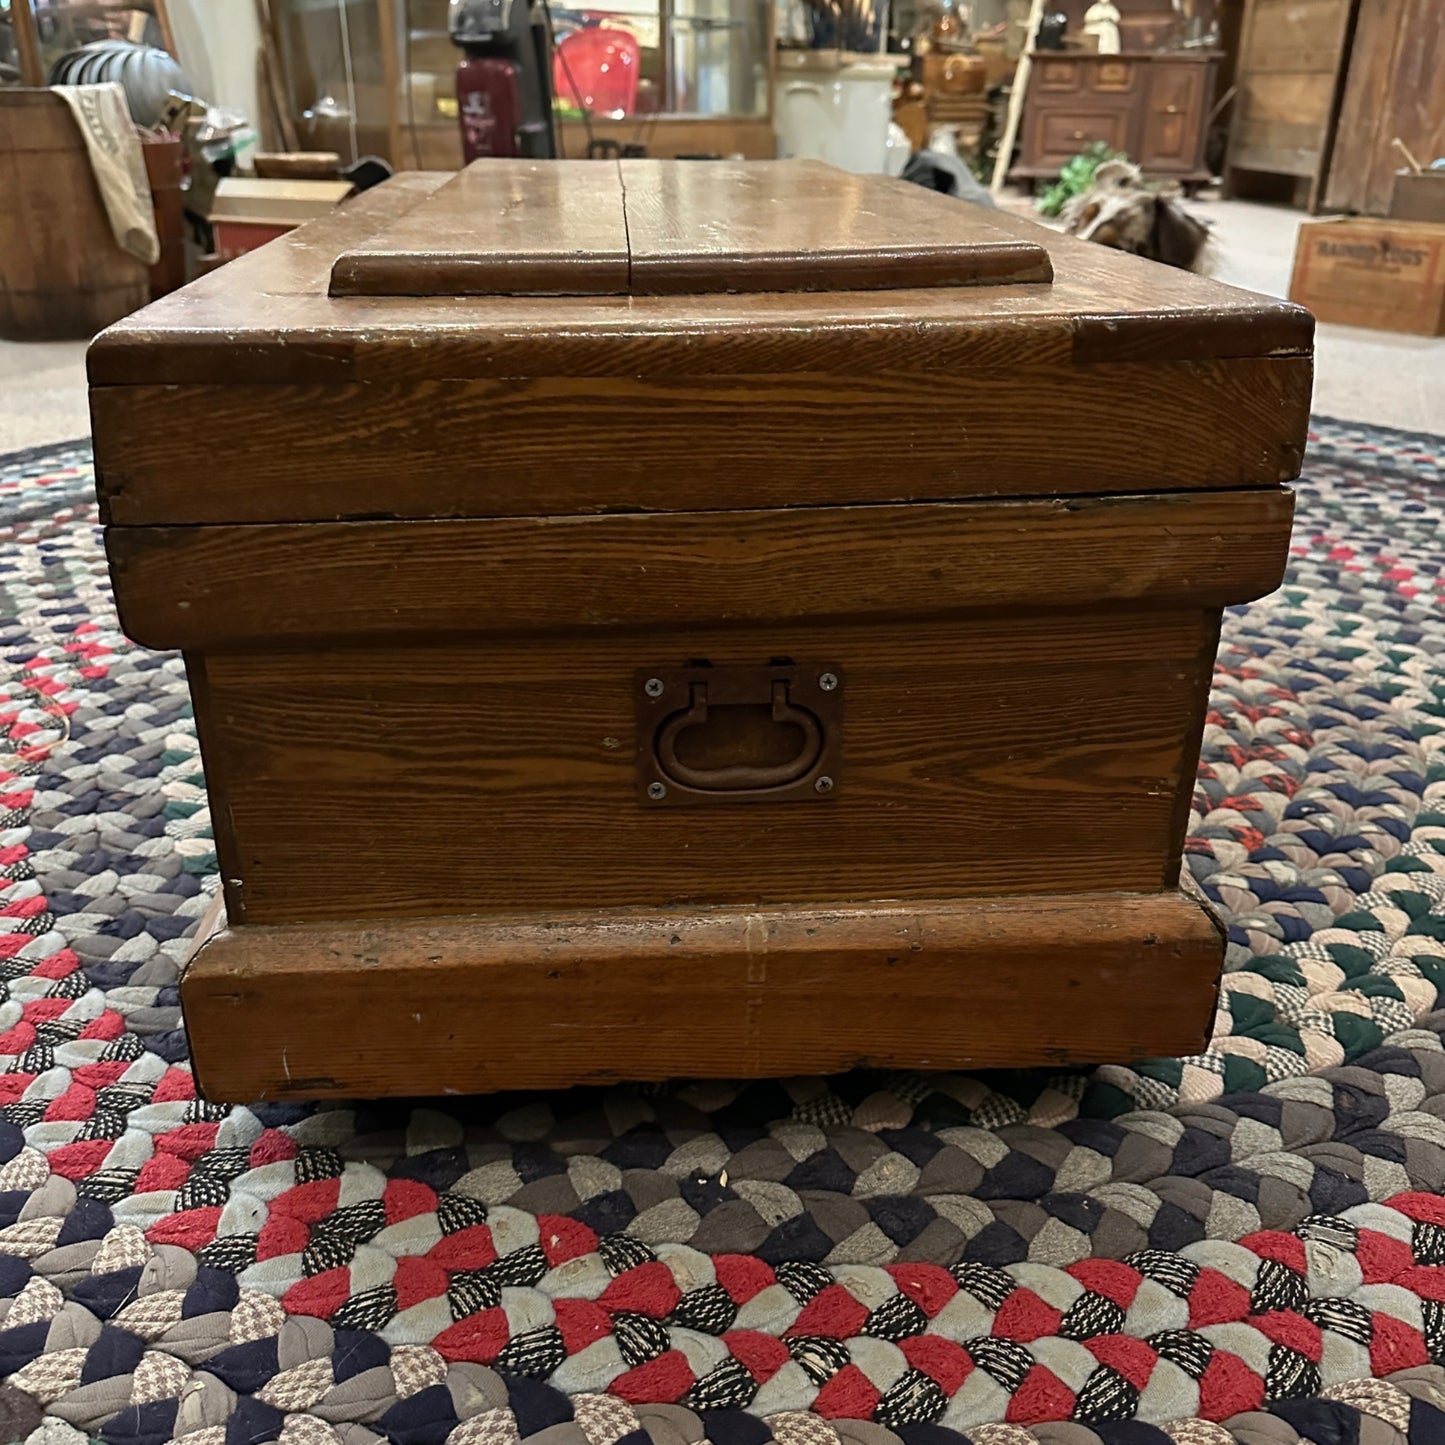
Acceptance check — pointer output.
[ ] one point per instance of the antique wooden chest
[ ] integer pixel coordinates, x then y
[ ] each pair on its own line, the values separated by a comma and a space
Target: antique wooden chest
693, 619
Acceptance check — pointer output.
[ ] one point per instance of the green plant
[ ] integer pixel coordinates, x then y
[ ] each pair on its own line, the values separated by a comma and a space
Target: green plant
1075, 177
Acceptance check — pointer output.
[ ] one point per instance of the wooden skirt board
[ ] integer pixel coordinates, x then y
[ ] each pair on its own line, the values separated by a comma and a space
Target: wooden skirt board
602, 673
465, 1005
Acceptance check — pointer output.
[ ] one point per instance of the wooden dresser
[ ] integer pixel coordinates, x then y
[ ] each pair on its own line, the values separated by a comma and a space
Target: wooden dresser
1152, 107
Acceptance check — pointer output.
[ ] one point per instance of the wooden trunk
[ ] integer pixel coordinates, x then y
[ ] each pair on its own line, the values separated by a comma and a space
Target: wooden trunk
656, 619
62, 274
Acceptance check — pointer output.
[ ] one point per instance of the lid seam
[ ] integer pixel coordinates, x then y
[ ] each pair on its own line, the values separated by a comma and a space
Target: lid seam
626, 228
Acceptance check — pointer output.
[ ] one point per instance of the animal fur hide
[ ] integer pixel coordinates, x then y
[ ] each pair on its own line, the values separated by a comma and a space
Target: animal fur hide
1119, 210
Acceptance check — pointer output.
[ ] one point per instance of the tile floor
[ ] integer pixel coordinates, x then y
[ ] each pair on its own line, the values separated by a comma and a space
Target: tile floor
42, 393
1371, 376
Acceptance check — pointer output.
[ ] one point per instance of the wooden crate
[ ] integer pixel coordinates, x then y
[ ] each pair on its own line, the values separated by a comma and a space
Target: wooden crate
248, 213
1418, 197
1389, 275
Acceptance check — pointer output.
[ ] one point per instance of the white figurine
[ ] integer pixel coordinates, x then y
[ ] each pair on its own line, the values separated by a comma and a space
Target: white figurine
1102, 19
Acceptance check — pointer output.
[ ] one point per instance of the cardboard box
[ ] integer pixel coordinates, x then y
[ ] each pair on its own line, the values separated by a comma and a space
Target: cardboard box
247, 212
1360, 271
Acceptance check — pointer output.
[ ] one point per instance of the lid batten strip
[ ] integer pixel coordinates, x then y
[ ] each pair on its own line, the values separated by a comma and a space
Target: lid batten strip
646, 229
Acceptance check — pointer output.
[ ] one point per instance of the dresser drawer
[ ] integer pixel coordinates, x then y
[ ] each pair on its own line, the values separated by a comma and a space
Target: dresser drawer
1058, 77
1112, 75
1060, 134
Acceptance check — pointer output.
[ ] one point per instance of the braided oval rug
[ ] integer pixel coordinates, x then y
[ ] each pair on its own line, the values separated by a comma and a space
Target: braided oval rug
1248, 1245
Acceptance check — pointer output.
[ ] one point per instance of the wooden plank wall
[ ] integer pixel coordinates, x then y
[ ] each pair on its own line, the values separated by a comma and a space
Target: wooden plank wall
1289, 66
1394, 88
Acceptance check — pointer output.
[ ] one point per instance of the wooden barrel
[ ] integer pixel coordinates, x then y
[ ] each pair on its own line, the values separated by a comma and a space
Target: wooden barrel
62, 275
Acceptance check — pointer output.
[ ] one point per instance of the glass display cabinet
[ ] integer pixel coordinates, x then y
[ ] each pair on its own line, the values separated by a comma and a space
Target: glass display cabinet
378, 77
422, 65
335, 74
698, 78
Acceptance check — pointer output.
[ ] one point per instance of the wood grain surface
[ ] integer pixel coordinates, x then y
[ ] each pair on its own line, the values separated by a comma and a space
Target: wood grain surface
1007, 514
1288, 77
1393, 88
267, 318
506, 228
214, 587
980, 755
354, 408
687, 442
27, 45
803, 226
62, 275
465, 1005
649, 228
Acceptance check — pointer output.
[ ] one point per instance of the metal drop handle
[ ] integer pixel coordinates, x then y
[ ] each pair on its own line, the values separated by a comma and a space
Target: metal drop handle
738, 777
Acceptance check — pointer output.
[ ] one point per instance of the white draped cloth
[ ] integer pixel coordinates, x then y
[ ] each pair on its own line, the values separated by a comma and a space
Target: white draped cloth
120, 170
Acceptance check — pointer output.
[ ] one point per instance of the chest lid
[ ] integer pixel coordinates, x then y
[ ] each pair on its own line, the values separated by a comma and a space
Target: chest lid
569, 337
652, 228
